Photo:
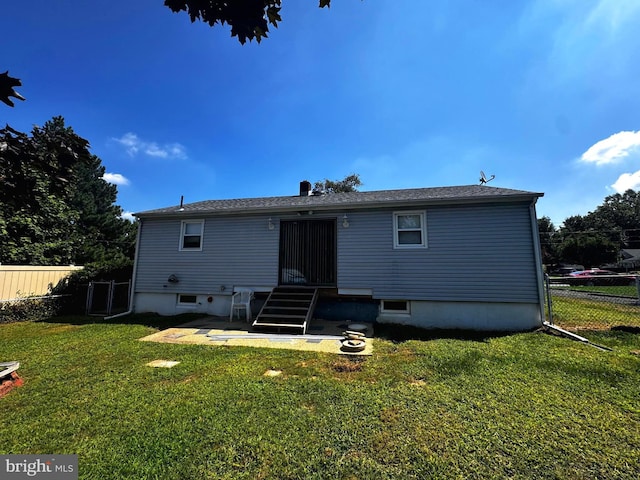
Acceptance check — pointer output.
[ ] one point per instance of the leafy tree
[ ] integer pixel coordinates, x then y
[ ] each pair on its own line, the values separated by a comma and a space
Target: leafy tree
350, 183
56, 207
597, 237
7, 91
248, 19
618, 218
100, 234
35, 218
547, 232
575, 223
591, 249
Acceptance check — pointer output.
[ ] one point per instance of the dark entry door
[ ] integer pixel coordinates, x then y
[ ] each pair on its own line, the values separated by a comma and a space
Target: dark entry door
308, 252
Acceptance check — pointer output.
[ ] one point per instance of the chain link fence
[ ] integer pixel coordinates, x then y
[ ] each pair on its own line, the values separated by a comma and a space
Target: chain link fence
107, 298
593, 302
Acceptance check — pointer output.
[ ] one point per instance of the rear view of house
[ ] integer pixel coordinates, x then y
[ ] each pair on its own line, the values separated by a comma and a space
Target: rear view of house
446, 257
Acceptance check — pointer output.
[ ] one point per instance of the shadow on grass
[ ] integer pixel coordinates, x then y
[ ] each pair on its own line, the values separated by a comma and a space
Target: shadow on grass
391, 332
152, 320
626, 328
402, 333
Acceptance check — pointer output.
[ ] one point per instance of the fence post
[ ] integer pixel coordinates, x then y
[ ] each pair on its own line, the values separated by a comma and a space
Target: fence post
89, 298
110, 296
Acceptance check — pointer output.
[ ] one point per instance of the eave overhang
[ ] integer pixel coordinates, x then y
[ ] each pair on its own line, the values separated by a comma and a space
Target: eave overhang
325, 205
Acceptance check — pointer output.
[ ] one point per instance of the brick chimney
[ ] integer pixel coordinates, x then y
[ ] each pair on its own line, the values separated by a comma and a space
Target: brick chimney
305, 188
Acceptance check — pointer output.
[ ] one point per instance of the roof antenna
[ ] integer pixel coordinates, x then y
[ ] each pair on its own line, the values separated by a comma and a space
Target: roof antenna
181, 203
483, 178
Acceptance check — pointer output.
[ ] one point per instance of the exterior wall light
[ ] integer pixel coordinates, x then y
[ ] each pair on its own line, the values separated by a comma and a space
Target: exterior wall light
345, 221
271, 225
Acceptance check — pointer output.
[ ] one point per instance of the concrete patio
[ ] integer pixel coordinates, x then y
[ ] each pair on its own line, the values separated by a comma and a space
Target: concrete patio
322, 336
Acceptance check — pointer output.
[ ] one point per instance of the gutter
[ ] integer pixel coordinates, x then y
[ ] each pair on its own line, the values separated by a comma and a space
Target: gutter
133, 280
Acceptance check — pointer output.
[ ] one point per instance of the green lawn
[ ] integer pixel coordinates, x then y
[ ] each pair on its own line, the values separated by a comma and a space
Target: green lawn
579, 314
630, 291
530, 405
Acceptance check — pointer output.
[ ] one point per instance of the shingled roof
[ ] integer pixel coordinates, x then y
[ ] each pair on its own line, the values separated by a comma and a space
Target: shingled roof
348, 201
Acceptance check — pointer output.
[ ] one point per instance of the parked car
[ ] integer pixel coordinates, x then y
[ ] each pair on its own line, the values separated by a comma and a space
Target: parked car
566, 270
596, 276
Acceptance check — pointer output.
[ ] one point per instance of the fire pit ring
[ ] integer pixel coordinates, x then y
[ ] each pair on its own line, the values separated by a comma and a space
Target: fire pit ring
353, 345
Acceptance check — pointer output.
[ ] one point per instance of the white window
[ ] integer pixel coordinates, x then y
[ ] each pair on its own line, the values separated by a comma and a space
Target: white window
187, 300
409, 230
395, 306
191, 235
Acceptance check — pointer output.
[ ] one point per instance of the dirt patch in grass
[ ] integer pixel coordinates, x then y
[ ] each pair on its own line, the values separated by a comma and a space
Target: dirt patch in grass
418, 382
598, 327
353, 364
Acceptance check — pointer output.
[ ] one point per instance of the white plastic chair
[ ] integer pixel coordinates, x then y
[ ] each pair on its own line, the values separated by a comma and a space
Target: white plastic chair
241, 299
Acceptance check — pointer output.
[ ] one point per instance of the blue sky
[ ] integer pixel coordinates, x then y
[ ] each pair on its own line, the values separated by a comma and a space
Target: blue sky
545, 95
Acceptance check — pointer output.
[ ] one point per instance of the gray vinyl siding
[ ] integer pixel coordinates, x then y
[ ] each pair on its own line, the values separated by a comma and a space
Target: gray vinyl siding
474, 253
235, 251
480, 252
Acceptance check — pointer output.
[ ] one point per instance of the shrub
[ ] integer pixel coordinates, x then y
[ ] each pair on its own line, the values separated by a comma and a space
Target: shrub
29, 309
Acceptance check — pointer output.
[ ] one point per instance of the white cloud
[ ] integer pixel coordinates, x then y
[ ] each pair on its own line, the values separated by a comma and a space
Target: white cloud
627, 181
133, 144
574, 21
115, 178
129, 140
581, 44
128, 216
153, 150
612, 14
612, 149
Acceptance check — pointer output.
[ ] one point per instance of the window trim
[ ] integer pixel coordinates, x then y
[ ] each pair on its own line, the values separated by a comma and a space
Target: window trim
181, 303
383, 308
423, 229
183, 228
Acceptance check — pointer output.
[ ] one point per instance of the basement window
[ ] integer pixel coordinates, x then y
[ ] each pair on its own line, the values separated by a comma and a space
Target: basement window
395, 306
187, 300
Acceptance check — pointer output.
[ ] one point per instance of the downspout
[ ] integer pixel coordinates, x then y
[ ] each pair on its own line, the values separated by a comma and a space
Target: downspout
538, 258
548, 326
133, 279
